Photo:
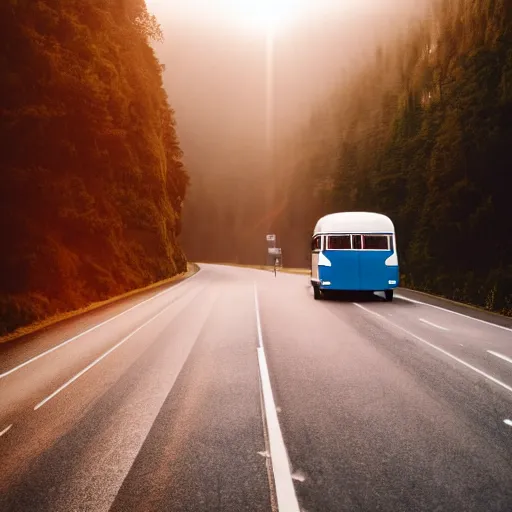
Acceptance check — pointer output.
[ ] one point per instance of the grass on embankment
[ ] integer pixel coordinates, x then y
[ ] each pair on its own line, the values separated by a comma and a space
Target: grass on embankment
302, 271
192, 268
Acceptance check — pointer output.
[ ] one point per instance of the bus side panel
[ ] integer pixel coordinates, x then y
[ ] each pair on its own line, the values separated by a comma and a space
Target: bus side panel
374, 273
343, 274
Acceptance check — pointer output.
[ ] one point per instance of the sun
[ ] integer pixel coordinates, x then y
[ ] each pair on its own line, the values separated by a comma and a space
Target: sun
263, 15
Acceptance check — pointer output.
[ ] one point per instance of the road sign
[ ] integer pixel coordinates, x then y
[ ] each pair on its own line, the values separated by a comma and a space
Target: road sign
271, 238
274, 250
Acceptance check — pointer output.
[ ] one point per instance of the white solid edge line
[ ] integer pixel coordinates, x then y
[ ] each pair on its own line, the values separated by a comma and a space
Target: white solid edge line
5, 430
96, 361
64, 343
501, 356
433, 324
454, 312
508, 422
455, 358
285, 490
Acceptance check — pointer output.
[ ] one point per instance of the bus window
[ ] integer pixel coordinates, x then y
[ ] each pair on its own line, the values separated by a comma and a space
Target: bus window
316, 243
356, 242
376, 242
339, 242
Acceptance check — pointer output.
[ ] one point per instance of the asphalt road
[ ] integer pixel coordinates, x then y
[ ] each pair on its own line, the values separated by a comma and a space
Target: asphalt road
236, 391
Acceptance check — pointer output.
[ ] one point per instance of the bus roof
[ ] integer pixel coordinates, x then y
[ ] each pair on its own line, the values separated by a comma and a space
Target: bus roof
354, 222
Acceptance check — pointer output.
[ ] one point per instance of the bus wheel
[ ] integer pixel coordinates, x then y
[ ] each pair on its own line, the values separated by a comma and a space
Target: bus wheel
317, 293
389, 295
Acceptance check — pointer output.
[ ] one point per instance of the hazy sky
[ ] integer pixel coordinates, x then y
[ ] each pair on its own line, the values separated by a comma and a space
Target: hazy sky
217, 74
278, 16
216, 57
222, 44
258, 14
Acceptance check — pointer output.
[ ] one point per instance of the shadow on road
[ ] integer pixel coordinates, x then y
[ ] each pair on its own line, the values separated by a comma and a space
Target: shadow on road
358, 296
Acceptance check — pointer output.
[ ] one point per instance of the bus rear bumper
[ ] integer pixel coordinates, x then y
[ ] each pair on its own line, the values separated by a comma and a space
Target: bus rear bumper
327, 285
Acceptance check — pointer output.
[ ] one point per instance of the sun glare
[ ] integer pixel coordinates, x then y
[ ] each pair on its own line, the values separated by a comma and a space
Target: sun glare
263, 15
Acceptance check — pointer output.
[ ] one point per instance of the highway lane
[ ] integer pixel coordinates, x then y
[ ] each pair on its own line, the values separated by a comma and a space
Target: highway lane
474, 341
380, 406
75, 451
374, 419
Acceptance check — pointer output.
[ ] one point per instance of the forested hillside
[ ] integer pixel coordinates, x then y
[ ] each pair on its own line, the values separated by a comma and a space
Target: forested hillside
91, 181
424, 135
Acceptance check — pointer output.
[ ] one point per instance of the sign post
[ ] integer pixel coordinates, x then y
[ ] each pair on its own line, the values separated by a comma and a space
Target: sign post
274, 254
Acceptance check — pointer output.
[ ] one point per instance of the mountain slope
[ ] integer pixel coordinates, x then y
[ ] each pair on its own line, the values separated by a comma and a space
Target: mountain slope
91, 181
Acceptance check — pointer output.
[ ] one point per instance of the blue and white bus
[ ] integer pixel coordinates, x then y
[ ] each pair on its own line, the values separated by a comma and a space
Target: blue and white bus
354, 251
